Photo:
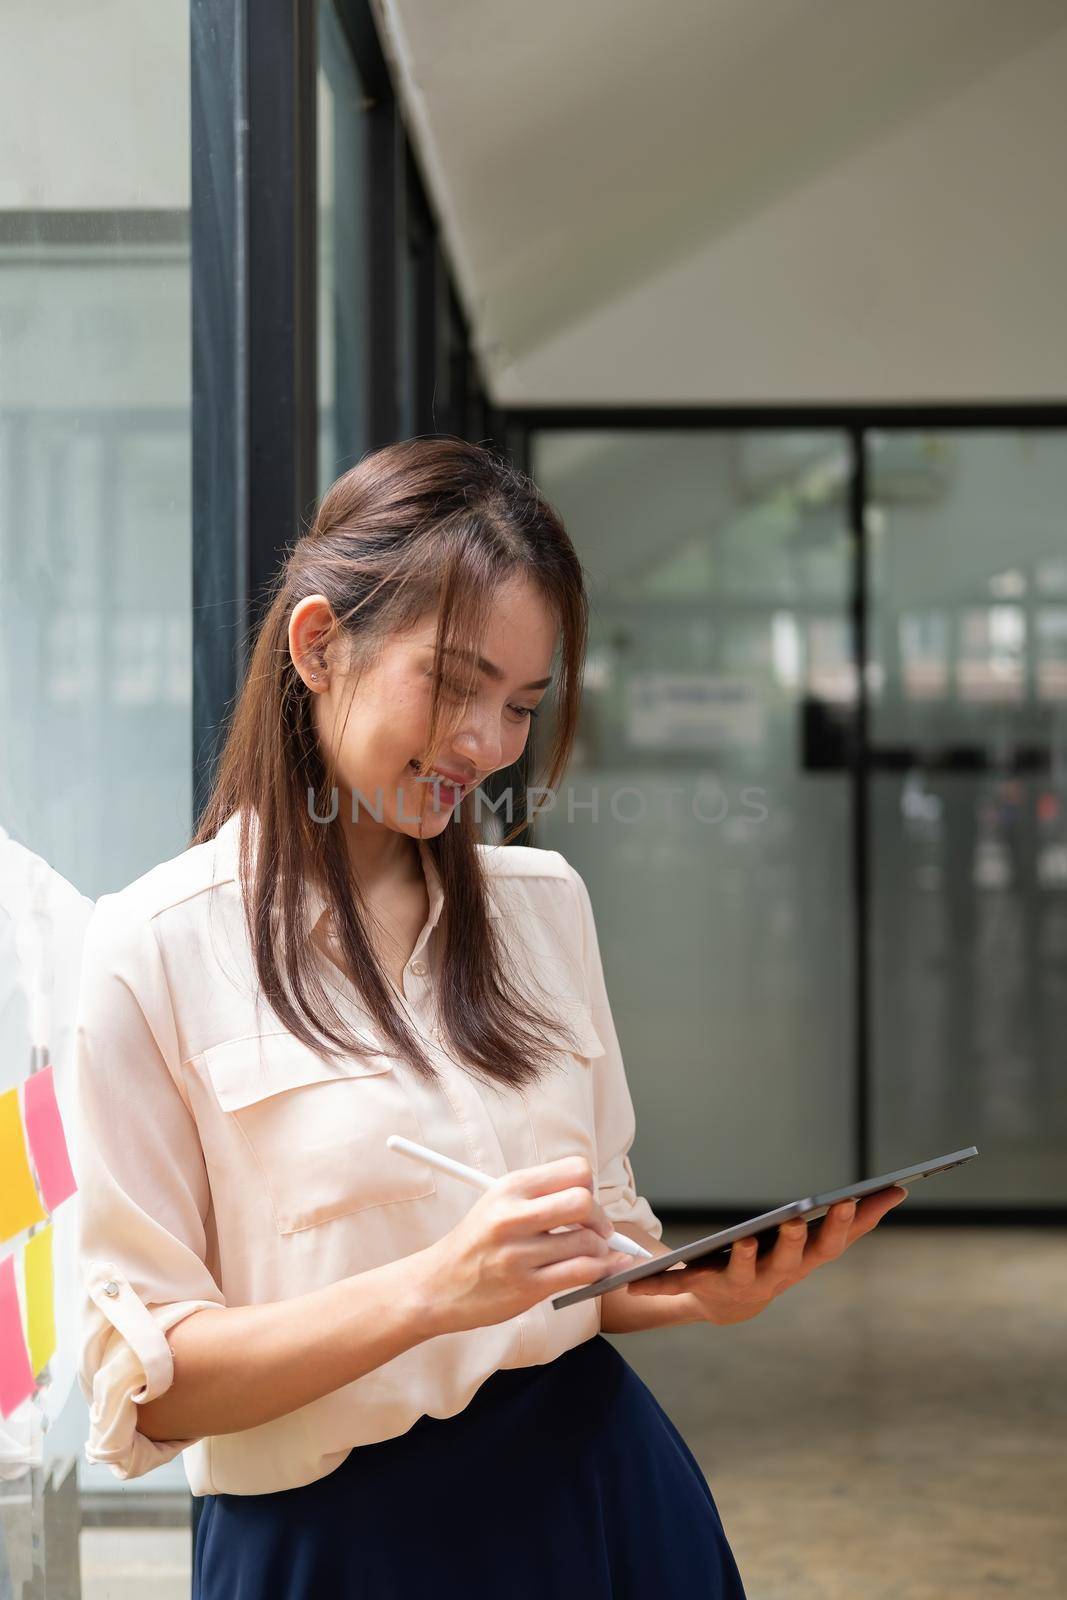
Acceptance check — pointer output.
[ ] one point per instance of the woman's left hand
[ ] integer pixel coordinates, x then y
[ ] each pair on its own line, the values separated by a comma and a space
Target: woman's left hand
744, 1284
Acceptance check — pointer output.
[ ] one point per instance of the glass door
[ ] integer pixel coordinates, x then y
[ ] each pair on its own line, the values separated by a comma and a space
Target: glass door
708, 806
968, 825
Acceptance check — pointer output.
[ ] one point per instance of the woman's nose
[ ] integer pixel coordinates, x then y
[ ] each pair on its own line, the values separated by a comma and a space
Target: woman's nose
479, 739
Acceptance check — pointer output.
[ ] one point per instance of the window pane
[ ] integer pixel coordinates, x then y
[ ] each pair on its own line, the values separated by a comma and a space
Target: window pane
718, 859
341, 253
95, 634
969, 808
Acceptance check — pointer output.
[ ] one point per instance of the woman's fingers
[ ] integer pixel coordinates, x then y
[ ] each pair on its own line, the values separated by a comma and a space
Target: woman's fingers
742, 1265
784, 1264
870, 1211
798, 1250
833, 1234
840, 1227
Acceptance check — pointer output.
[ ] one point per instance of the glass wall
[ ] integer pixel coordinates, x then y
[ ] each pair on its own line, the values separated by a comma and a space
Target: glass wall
968, 735
722, 663
705, 807
95, 665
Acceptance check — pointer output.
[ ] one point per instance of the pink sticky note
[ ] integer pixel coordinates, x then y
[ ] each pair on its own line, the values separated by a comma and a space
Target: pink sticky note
46, 1139
16, 1375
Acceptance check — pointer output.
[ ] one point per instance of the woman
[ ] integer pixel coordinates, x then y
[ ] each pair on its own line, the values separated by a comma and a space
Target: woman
379, 1398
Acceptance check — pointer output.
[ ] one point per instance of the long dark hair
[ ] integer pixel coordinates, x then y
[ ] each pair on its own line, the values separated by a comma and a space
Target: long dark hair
424, 524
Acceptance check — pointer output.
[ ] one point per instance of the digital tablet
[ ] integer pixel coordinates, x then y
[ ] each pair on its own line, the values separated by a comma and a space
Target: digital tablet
765, 1227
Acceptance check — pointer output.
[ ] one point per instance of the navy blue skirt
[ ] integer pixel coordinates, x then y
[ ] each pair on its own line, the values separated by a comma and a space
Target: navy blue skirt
567, 1479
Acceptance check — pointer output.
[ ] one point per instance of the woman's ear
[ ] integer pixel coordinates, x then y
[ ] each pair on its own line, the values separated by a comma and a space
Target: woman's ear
311, 627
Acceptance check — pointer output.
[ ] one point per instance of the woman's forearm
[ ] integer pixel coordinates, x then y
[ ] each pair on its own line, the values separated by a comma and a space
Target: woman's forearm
620, 1313
240, 1366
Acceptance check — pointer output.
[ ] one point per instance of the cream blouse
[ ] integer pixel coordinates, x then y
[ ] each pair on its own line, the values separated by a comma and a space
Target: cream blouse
221, 1162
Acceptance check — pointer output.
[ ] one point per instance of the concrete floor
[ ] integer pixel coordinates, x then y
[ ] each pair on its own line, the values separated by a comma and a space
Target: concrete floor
895, 1428
132, 1563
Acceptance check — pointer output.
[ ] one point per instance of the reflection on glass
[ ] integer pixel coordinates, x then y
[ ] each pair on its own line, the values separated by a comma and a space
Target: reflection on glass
95, 542
1051, 645
702, 808
990, 660
923, 642
340, 181
969, 797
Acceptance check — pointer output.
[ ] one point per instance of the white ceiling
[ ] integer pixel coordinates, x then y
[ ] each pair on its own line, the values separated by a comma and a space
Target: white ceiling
746, 200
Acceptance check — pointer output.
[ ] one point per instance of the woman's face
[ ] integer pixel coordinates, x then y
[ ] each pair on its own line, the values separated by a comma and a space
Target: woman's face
388, 720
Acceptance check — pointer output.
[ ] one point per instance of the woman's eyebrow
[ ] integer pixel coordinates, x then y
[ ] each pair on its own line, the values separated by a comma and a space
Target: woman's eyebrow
491, 670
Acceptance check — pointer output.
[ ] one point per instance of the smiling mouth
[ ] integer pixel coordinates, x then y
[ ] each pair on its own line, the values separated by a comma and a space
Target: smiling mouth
448, 788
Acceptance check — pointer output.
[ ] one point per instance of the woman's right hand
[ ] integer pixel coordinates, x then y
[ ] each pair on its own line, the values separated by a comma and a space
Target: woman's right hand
501, 1258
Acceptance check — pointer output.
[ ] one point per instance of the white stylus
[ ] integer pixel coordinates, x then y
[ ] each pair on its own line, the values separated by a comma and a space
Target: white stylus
482, 1180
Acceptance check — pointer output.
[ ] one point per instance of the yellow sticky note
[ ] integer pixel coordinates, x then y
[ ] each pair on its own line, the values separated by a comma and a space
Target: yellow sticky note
19, 1204
40, 1298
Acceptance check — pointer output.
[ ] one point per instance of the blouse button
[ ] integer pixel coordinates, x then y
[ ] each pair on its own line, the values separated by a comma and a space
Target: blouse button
419, 968
111, 1288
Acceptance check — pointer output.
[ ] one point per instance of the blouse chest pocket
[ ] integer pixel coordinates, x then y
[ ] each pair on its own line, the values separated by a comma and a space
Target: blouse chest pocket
317, 1128
560, 1105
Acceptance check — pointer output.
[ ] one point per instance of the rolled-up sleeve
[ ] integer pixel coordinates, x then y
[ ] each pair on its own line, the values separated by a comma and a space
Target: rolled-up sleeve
143, 1193
615, 1122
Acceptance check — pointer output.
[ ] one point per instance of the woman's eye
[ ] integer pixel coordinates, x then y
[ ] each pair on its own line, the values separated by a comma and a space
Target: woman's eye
467, 691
